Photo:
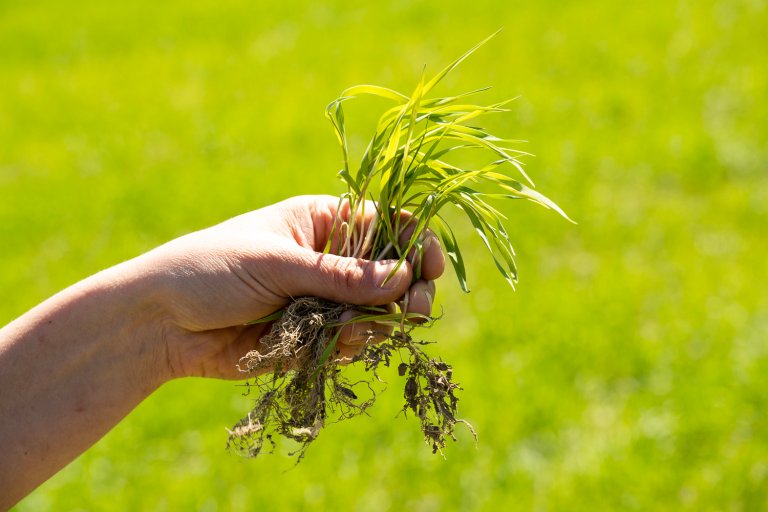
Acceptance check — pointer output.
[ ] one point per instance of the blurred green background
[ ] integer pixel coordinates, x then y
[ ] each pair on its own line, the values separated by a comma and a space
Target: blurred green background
630, 369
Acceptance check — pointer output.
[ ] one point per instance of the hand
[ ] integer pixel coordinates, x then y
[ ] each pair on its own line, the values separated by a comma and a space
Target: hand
73, 366
212, 282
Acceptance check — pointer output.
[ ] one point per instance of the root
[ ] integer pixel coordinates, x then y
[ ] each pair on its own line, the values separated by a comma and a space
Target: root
307, 388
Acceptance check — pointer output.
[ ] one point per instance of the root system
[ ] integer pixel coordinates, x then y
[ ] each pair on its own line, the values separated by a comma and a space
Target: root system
307, 389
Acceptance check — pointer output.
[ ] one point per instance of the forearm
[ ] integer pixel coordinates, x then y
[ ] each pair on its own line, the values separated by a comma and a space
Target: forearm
70, 369
74, 366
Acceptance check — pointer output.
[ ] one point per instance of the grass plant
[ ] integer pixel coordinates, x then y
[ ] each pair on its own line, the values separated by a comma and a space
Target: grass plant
405, 167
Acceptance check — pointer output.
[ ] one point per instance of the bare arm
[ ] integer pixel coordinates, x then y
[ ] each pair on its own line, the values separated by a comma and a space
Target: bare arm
74, 366
70, 369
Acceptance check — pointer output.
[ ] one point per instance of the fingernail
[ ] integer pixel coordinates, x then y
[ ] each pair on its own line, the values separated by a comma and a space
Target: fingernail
383, 270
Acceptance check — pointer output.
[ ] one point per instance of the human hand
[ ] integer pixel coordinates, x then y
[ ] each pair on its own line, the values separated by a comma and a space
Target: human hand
88, 355
210, 283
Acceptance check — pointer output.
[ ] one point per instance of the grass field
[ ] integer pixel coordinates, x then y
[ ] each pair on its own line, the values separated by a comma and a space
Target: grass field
629, 371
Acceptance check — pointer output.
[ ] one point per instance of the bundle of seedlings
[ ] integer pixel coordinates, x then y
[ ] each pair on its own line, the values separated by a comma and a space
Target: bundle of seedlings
405, 168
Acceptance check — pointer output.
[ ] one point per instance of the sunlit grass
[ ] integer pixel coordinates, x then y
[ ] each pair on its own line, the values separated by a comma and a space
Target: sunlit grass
628, 370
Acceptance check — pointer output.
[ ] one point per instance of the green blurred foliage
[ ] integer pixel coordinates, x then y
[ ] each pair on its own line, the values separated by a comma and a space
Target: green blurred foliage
630, 369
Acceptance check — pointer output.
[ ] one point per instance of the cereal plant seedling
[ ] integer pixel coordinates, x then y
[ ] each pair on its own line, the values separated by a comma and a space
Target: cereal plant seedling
405, 167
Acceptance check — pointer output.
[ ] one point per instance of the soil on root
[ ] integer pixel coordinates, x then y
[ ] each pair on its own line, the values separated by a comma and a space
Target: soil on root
308, 389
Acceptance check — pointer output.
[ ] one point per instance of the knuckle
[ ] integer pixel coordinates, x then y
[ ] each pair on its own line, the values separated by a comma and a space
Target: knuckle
349, 274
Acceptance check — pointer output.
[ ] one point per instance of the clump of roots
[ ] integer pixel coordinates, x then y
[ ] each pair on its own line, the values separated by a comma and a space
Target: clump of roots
308, 388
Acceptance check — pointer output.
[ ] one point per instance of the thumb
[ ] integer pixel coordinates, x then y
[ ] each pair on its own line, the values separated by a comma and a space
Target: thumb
341, 279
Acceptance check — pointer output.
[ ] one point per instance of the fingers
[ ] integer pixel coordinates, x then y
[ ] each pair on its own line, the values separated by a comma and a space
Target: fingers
431, 261
361, 333
324, 210
355, 336
340, 279
420, 300
421, 297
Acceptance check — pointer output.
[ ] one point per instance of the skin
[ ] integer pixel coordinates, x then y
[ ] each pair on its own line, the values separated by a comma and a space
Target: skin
75, 365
